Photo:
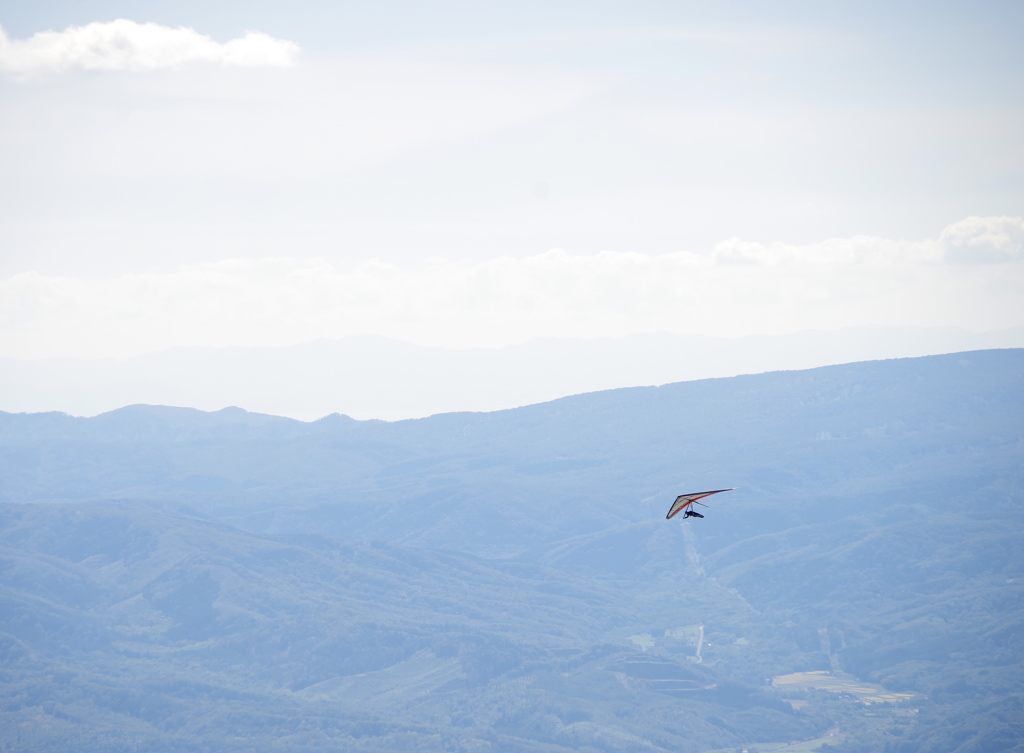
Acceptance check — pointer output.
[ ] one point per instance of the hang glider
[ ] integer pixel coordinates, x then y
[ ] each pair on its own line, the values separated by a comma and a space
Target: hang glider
686, 502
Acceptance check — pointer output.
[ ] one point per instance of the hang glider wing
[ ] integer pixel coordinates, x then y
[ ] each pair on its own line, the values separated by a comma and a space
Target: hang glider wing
685, 500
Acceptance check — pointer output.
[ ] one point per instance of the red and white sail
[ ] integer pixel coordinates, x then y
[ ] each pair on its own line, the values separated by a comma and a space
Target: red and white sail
685, 500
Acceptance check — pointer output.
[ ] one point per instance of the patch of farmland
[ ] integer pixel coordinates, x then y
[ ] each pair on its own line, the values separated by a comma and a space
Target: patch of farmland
821, 680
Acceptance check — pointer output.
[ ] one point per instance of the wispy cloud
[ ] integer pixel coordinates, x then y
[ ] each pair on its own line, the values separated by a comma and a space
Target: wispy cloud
974, 240
124, 45
739, 289
984, 240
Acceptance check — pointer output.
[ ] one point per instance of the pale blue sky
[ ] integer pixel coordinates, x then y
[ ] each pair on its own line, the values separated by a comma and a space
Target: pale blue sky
438, 136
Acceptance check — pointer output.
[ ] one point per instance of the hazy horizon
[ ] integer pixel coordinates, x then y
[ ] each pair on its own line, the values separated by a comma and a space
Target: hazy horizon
371, 377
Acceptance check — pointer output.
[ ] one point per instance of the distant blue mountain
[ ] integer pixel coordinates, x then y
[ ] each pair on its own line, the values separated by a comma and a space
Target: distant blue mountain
507, 580
373, 377
801, 446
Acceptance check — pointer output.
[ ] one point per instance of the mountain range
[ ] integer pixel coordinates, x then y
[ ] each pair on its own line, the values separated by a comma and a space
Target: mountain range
373, 377
182, 580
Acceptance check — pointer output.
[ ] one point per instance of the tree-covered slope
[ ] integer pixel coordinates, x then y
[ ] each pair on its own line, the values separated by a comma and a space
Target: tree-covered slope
876, 532
126, 627
504, 483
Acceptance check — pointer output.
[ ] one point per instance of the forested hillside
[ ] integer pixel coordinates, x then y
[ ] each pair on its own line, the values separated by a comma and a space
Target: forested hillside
180, 580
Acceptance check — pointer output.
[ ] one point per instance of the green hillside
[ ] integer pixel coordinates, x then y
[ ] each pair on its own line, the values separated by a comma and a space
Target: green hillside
179, 580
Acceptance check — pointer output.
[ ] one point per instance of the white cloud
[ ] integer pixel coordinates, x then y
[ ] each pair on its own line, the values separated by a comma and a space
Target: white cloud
861, 249
124, 45
981, 240
779, 289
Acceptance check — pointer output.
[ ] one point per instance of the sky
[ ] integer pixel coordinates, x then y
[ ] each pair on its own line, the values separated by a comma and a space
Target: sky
463, 174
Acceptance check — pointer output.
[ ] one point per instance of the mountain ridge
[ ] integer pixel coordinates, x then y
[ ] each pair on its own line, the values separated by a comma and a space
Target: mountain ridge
373, 377
507, 581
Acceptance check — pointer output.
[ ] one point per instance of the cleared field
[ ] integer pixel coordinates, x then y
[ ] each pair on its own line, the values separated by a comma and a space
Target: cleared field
864, 691
805, 746
421, 673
